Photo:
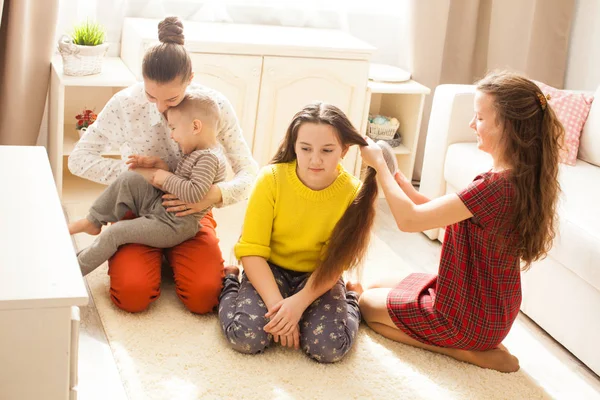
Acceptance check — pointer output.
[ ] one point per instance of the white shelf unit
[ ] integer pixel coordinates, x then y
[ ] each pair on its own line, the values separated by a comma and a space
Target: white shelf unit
69, 95
405, 102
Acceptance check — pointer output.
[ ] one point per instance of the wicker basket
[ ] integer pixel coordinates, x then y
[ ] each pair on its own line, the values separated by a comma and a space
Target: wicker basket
395, 141
385, 132
81, 60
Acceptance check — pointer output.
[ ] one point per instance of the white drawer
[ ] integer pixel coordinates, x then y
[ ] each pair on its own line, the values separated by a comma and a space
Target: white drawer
74, 353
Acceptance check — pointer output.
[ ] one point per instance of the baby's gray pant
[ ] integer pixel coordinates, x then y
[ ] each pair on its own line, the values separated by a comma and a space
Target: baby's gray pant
153, 227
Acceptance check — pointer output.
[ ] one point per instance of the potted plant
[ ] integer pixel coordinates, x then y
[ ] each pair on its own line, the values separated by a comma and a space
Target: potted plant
82, 51
85, 119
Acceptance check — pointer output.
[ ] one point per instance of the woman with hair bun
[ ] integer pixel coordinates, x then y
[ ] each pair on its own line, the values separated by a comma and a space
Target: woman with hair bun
134, 121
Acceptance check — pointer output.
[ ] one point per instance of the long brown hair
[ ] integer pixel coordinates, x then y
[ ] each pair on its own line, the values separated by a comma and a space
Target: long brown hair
350, 237
531, 144
168, 60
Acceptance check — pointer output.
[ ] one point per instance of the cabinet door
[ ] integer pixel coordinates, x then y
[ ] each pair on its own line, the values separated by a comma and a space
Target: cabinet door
288, 84
237, 78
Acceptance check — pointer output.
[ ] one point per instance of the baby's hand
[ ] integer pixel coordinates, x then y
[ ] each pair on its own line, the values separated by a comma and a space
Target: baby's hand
138, 161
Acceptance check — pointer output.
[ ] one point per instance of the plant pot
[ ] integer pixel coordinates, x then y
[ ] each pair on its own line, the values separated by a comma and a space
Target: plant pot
81, 131
81, 60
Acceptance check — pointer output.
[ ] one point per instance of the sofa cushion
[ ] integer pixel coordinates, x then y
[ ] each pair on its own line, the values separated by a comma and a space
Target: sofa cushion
589, 146
464, 161
577, 244
572, 111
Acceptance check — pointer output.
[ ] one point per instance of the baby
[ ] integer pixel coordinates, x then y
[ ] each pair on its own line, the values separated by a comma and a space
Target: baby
193, 124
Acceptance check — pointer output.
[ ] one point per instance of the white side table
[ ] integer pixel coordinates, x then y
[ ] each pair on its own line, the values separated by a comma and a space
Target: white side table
41, 285
68, 96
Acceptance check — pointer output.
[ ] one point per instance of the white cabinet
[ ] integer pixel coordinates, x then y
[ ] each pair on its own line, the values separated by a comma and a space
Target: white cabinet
268, 73
41, 286
288, 85
237, 78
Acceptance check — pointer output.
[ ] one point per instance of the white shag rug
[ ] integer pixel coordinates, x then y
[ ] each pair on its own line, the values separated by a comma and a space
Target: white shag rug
170, 353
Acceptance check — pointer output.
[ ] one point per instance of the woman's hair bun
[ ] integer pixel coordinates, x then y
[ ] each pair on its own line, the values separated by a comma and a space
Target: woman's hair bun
170, 30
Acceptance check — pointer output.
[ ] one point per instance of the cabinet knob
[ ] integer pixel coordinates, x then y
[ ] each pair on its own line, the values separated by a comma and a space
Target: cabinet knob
271, 71
254, 71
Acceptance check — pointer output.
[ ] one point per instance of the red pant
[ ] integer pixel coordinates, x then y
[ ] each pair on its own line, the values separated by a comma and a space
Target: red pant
135, 272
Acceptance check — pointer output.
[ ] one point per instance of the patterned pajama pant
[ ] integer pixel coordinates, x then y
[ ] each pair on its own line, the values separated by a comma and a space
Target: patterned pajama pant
327, 327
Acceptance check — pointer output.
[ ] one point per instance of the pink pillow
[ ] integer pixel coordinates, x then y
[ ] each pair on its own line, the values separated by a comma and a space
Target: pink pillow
572, 110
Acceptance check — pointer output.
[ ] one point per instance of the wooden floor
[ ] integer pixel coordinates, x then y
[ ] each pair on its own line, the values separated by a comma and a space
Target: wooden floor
98, 374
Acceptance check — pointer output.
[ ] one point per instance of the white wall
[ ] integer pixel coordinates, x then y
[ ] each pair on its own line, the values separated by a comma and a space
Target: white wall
583, 63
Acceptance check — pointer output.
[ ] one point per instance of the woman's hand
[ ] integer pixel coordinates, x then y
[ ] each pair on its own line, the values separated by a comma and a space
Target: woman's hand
285, 316
181, 208
138, 161
372, 154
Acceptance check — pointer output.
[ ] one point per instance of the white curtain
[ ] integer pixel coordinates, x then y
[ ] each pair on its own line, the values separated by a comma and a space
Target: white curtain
26, 31
583, 72
458, 41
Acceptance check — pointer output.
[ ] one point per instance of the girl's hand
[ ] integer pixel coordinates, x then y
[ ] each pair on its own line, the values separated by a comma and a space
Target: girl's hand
372, 154
292, 340
173, 204
285, 316
401, 179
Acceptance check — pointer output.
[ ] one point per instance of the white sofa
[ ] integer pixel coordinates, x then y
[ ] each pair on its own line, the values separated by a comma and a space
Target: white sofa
562, 292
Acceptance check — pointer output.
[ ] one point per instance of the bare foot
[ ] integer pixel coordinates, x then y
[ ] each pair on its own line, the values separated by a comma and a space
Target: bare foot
232, 270
83, 225
355, 287
502, 347
498, 359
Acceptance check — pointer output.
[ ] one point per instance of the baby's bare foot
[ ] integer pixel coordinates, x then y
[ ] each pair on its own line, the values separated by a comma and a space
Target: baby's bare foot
232, 270
355, 287
83, 225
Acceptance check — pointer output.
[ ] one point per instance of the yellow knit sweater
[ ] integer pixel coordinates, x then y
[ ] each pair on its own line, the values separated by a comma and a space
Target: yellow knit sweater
289, 224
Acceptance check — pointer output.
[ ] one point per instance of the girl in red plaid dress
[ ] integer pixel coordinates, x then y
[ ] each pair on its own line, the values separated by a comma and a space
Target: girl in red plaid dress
503, 220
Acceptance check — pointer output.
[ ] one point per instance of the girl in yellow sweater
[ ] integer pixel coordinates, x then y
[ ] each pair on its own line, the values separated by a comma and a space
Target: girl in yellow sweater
308, 220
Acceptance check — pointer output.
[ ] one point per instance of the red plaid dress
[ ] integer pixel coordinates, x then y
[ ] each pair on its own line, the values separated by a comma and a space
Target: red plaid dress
473, 301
